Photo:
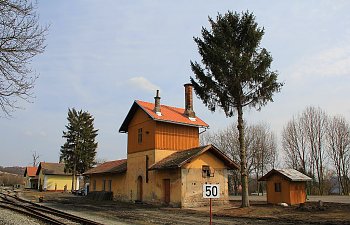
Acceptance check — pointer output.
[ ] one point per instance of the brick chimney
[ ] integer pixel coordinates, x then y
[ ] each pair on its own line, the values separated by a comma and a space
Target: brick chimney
157, 104
189, 102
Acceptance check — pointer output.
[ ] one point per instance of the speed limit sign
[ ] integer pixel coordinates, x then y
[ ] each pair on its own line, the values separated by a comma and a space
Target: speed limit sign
211, 191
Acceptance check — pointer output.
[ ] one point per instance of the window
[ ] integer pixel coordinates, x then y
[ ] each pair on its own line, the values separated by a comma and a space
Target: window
205, 171
139, 135
277, 187
104, 185
110, 185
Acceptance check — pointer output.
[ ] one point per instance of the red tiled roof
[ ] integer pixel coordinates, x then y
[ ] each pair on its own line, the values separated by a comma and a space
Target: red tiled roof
30, 171
169, 114
117, 166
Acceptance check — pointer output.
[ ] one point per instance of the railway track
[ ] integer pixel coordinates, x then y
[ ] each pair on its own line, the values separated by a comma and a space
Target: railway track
43, 213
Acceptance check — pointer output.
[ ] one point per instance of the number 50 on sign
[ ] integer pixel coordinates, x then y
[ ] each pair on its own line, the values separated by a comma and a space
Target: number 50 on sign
211, 191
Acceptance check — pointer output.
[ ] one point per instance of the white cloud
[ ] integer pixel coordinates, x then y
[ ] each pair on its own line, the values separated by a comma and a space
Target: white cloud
143, 84
333, 62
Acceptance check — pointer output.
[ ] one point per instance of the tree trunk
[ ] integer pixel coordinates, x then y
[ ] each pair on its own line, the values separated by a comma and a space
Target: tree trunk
243, 156
73, 177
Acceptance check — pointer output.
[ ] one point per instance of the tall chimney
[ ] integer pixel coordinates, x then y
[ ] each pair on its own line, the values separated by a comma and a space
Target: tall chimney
157, 104
189, 101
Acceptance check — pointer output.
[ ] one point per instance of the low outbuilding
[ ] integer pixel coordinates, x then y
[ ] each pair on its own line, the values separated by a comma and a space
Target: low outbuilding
31, 180
285, 186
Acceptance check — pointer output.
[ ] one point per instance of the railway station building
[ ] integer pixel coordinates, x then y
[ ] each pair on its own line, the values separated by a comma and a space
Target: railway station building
165, 163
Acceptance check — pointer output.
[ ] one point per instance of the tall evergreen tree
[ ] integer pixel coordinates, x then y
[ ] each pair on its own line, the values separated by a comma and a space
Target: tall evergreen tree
79, 151
236, 72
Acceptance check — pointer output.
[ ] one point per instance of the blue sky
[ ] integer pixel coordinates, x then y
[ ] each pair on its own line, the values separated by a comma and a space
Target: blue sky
102, 55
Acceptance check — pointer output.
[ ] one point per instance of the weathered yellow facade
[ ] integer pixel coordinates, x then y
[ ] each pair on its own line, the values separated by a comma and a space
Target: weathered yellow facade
55, 182
193, 180
109, 182
51, 177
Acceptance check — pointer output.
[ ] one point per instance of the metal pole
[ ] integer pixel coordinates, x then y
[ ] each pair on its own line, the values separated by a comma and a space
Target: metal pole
210, 212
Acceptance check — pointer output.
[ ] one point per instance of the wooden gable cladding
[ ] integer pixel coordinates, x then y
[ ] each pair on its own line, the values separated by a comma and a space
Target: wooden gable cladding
176, 137
285, 185
159, 135
141, 121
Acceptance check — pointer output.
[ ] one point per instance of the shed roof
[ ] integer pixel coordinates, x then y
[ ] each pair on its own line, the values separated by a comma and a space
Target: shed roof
178, 159
169, 114
290, 174
30, 171
116, 166
51, 169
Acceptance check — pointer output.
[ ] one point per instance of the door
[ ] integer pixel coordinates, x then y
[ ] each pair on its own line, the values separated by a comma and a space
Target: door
139, 189
167, 191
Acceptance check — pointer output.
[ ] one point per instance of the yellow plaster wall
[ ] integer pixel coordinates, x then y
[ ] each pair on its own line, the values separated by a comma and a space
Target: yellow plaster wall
192, 180
205, 159
57, 182
175, 186
118, 184
185, 184
161, 154
153, 190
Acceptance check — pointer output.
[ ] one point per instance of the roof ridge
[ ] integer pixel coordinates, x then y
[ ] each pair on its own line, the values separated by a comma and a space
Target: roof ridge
161, 104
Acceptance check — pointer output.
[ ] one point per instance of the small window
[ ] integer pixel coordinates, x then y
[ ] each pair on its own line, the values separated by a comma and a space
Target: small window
139, 135
110, 185
277, 187
205, 171
104, 185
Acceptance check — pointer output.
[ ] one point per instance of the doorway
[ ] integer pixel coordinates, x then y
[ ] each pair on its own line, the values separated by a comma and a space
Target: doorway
139, 189
166, 191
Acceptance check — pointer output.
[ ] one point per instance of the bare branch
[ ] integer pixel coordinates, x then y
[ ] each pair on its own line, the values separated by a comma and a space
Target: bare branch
21, 39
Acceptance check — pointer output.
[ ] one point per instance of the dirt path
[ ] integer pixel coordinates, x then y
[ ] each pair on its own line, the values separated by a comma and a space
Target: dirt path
118, 213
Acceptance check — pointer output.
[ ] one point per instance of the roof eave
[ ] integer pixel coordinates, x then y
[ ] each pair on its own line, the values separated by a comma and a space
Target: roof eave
124, 127
179, 123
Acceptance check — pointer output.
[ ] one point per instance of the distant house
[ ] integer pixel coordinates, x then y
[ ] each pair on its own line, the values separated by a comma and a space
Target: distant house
285, 186
165, 163
51, 177
31, 180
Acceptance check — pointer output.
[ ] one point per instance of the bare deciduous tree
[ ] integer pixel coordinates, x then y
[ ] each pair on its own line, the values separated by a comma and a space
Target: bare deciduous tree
260, 143
303, 141
315, 123
294, 146
338, 139
263, 151
35, 158
21, 38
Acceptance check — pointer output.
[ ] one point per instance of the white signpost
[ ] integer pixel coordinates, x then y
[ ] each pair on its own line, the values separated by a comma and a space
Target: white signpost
211, 191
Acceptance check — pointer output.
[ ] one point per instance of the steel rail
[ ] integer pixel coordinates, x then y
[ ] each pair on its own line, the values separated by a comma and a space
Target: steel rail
34, 207
36, 215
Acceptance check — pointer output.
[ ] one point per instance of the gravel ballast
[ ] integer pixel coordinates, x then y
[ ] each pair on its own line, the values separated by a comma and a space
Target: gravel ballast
8, 217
